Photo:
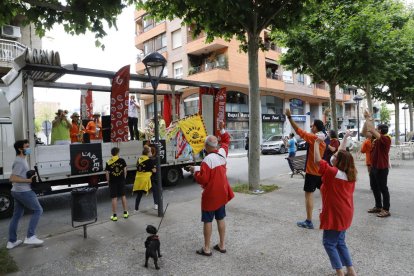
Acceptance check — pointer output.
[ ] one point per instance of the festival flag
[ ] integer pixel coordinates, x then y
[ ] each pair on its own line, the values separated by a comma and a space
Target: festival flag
181, 144
86, 110
194, 131
119, 105
167, 110
219, 109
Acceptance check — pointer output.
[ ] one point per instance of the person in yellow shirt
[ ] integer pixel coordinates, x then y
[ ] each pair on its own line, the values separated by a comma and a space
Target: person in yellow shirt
313, 177
145, 168
61, 129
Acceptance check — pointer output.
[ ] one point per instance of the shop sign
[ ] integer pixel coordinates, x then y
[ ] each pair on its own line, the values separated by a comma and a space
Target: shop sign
273, 118
237, 116
299, 118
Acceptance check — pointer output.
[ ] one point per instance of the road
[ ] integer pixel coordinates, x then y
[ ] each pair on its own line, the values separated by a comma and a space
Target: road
56, 218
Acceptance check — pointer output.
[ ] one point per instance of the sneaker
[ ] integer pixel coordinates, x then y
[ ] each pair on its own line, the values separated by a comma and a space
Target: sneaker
155, 206
114, 218
32, 240
11, 245
126, 214
305, 224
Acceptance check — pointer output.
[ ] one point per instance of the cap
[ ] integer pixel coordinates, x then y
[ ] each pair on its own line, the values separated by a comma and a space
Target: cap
60, 111
75, 114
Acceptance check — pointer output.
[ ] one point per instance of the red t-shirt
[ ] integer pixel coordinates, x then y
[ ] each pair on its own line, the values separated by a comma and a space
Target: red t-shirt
380, 152
337, 198
366, 148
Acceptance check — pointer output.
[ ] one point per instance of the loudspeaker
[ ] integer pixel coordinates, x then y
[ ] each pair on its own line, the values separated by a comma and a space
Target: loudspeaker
106, 135
106, 122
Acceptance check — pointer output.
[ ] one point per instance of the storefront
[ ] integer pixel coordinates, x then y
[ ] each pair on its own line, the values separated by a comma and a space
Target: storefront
297, 107
237, 118
272, 116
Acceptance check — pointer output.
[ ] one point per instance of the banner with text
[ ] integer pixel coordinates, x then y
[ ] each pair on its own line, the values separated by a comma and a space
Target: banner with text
85, 158
119, 105
219, 109
194, 131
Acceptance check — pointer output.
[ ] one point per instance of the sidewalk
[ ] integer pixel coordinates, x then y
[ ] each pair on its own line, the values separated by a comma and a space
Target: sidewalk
262, 238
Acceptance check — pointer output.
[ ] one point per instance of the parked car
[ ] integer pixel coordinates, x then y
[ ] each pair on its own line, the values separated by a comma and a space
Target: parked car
301, 144
274, 144
352, 140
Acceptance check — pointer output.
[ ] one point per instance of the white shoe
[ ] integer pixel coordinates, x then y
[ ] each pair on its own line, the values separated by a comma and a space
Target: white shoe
11, 245
32, 240
155, 206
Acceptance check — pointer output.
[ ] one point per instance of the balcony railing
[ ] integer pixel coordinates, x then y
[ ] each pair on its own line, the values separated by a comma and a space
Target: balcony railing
273, 76
10, 49
207, 67
272, 46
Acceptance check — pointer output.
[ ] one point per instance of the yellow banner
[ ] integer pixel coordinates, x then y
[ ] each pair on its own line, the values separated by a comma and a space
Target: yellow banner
194, 131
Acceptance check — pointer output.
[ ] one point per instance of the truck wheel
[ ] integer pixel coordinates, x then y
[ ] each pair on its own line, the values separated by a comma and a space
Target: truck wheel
6, 203
172, 176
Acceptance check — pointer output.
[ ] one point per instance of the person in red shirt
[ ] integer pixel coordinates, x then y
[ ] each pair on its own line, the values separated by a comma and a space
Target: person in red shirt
211, 176
367, 148
337, 191
332, 148
379, 166
312, 177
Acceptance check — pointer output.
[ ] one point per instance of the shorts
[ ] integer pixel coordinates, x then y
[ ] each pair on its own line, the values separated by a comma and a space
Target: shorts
312, 182
219, 214
117, 189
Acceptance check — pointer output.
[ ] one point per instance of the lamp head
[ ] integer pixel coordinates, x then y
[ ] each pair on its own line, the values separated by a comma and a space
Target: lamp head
358, 98
154, 59
405, 106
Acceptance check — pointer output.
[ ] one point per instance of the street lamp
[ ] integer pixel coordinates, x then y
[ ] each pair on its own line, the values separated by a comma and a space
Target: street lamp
357, 99
405, 107
154, 60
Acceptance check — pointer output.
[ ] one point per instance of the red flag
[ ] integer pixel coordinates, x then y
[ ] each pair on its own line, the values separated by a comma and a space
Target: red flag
167, 110
86, 110
119, 105
219, 109
177, 105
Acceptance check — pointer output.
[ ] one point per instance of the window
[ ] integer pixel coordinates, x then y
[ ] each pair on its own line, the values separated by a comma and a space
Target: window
161, 43
148, 47
148, 23
271, 105
301, 79
191, 104
237, 102
297, 106
288, 76
176, 39
178, 69
150, 109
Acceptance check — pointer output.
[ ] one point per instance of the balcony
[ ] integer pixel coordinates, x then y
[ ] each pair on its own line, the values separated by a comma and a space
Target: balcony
9, 50
207, 67
198, 46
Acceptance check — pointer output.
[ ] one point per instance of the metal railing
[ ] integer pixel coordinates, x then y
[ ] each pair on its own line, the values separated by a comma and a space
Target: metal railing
10, 49
208, 66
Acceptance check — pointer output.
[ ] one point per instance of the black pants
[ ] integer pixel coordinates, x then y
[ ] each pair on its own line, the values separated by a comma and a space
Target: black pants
138, 198
133, 127
154, 181
378, 182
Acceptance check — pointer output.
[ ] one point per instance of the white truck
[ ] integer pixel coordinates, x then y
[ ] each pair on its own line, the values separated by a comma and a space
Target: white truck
55, 163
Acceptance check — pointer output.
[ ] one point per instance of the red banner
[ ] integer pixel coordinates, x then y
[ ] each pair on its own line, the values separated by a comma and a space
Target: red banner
119, 105
177, 105
219, 109
167, 110
86, 110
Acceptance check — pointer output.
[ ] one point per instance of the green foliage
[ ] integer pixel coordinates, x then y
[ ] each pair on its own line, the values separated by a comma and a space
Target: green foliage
76, 16
385, 116
7, 264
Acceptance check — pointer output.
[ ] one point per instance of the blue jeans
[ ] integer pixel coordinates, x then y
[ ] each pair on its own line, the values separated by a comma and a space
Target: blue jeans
21, 200
335, 246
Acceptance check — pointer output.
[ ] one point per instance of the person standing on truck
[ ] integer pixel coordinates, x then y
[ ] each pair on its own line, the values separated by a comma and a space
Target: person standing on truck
116, 173
313, 177
24, 197
76, 131
145, 168
211, 176
61, 129
133, 108
94, 128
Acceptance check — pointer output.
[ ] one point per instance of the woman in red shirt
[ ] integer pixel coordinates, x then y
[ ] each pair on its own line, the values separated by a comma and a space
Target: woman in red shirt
338, 185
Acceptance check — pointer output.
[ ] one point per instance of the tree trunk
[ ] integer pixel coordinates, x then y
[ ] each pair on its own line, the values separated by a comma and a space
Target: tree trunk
410, 115
332, 104
397, 119
368, 95
254, 111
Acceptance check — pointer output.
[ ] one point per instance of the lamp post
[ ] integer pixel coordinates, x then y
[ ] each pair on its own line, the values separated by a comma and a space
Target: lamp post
405, 107
357, 99
151, 61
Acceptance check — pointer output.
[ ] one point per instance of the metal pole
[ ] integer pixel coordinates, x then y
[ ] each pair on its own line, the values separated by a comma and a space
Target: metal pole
158, 159
405, 125
358, 118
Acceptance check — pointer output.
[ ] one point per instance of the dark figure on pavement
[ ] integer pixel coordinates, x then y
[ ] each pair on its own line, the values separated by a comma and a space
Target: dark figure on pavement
116, 172
332, 147
367, 148
211, 175
337, 191
312, 177
145, 168
133, 108
152, 246
24, 197
380, 166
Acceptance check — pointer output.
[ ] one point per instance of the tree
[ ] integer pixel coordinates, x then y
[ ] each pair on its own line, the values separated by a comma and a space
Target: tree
77, 16
244, 20
385, 116
342, 42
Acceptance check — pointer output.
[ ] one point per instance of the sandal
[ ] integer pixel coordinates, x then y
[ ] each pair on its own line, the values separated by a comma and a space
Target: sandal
217, 247
202, 252
375, 210
384, 214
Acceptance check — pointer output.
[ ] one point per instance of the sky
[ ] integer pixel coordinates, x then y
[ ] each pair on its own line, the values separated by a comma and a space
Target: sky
81, 50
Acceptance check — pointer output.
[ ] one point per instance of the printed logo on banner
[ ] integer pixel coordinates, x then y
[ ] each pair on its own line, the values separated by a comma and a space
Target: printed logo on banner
85, 158
163, 153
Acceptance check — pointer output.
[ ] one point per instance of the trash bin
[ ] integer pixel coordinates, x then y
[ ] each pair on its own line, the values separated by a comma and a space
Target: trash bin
84, 207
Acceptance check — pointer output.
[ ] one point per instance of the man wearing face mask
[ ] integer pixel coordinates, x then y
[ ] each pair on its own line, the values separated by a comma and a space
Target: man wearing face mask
24, 197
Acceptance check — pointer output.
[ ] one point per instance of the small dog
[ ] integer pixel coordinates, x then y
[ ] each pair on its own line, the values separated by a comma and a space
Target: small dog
152, 245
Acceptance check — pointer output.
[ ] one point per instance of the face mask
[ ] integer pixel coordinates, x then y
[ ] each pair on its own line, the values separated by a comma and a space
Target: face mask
27, 151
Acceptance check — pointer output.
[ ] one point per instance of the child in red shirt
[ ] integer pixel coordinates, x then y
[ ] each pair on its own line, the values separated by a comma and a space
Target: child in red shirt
338, 185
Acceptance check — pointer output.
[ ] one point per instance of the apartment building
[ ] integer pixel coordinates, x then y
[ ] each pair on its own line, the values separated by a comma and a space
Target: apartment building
222, 62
